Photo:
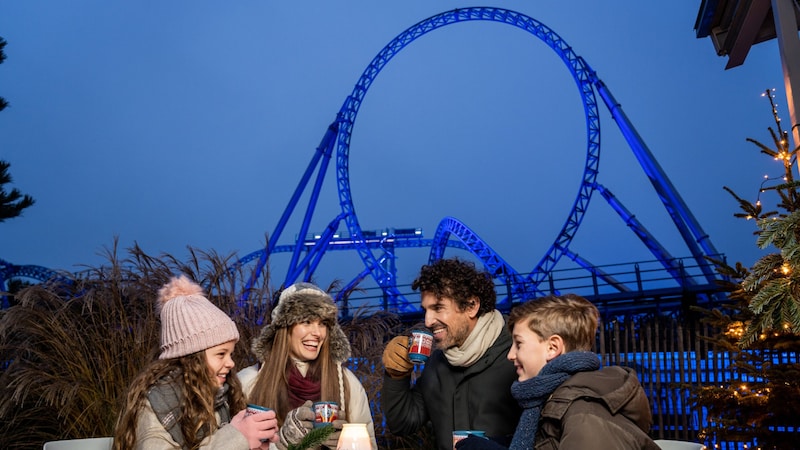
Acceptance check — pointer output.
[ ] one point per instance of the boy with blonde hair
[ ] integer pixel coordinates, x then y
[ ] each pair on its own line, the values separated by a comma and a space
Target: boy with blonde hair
568, 401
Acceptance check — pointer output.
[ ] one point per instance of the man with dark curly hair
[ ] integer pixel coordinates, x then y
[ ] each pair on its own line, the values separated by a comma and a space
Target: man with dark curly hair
466, 382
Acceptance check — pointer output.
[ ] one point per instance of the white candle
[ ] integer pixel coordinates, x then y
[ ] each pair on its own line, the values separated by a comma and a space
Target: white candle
354, 437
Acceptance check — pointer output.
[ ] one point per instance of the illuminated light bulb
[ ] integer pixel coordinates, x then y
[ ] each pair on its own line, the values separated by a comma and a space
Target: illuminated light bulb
786, 268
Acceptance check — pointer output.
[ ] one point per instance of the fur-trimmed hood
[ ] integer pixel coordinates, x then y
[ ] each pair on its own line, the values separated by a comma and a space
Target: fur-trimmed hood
297, 303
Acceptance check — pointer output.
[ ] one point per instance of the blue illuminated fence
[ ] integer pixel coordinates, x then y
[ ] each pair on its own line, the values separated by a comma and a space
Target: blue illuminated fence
671, 358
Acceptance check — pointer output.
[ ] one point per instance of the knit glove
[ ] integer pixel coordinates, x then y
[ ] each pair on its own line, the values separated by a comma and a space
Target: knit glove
473, 442
333, 438
395, 358
298, 423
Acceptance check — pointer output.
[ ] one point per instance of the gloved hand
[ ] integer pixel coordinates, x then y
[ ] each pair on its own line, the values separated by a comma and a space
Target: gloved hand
473, 442
258, 429
298, 423
395, 358
333, 438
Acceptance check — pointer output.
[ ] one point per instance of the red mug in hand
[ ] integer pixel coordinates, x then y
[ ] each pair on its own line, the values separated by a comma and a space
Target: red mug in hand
419, 346
325, 413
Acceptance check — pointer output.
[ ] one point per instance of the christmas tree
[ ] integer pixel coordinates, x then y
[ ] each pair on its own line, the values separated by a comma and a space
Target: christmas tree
758, 327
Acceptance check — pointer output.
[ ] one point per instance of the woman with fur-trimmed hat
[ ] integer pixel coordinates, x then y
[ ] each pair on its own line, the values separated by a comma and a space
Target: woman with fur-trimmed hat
188, 398
301, 353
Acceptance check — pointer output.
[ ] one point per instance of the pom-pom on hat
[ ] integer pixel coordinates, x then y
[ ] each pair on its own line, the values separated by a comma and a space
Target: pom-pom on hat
189, 322
298, 303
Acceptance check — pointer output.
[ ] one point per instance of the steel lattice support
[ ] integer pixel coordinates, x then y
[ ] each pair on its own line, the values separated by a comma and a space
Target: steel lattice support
588, 85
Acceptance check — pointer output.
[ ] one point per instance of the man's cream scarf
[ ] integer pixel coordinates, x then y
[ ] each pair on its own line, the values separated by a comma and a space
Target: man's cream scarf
479, 340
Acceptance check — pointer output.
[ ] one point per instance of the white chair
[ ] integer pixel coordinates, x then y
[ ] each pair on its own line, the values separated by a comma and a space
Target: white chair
667, 444
100, 443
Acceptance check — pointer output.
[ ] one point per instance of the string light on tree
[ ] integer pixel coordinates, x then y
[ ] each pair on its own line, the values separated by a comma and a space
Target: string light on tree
762, 318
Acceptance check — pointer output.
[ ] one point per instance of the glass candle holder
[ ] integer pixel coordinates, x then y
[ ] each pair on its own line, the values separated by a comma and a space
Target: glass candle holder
354, 437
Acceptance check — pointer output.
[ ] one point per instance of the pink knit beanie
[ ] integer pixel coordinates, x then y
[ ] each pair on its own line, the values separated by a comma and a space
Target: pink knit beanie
189, 322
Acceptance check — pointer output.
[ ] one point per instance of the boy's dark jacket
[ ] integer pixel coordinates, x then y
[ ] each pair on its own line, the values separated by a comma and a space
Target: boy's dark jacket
600, 410
608, 409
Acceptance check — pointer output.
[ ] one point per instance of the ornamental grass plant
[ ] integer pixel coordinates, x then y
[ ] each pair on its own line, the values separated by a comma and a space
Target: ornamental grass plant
69, 349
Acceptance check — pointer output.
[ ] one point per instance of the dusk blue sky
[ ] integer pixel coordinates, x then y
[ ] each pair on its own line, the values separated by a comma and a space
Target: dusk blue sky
189, 123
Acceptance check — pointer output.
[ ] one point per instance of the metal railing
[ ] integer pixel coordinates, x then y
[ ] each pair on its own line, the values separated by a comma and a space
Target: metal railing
642, 286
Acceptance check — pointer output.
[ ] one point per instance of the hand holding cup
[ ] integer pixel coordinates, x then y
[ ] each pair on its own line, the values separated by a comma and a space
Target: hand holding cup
257, 428
395, 358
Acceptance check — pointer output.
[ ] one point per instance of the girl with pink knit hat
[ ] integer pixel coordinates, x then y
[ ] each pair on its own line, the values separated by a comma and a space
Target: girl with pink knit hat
190, 398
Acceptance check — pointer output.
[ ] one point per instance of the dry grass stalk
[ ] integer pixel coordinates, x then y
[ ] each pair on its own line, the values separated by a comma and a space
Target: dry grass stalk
69, 352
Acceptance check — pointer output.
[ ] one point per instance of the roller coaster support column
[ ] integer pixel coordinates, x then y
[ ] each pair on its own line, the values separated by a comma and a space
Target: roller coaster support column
5, 274
684, 220
640, 231
325, 149
3, 298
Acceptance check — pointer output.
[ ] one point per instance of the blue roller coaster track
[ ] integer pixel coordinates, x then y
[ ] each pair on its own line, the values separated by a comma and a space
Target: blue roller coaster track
307, 253
10, 271
376, 248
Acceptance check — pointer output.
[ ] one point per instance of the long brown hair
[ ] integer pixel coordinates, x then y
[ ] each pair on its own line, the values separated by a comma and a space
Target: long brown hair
271, 388
198, 391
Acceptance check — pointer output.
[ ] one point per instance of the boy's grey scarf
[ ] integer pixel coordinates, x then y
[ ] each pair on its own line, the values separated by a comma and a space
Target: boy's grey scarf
533, 393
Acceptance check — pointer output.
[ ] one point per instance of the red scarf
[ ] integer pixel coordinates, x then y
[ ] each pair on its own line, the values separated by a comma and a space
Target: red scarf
302, 388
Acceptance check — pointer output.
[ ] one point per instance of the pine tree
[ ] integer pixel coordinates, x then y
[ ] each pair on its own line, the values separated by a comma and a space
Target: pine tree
11, 203
3, 102
313, 439
759, 326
